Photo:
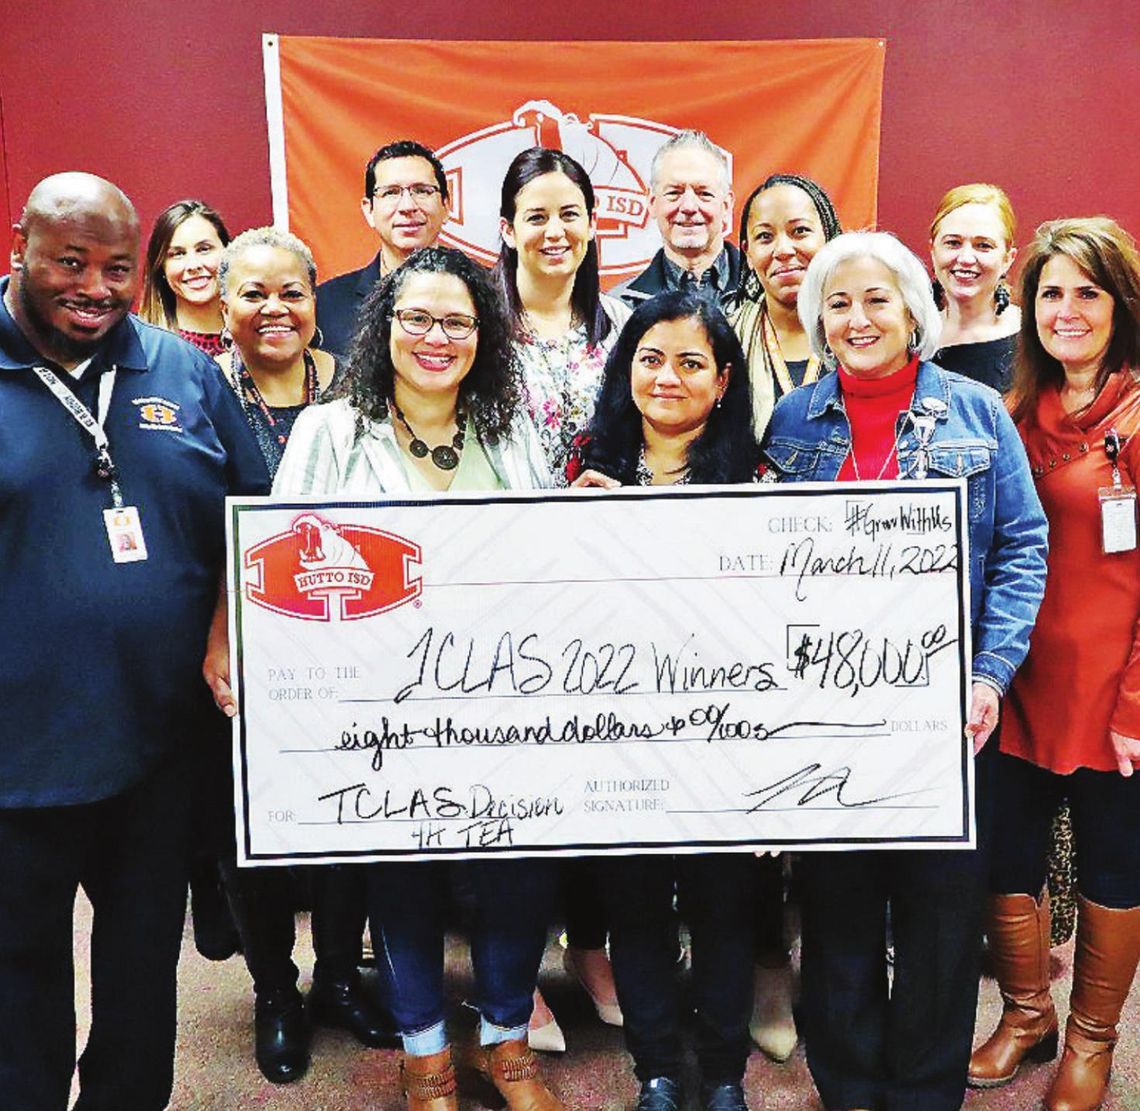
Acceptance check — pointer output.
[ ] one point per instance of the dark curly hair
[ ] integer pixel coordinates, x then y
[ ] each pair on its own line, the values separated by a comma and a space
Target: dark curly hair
490, 391
726, 451
585, 299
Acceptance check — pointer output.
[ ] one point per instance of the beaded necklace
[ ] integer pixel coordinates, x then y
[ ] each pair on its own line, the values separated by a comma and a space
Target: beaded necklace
251, 395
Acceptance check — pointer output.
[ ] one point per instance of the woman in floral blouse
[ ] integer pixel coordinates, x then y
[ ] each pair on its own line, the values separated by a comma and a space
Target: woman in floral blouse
563, 325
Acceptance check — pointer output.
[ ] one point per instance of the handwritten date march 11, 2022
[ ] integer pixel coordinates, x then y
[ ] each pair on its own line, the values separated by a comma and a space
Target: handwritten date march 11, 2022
573, 672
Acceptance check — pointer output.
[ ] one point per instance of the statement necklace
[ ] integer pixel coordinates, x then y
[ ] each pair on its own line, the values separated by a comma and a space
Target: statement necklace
444, 456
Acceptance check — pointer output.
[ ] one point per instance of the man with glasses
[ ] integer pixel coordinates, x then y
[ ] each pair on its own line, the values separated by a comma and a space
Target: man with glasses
691, 199
405, 202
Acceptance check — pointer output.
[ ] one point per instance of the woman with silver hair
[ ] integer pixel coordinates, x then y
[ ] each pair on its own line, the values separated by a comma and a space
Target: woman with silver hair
887, 412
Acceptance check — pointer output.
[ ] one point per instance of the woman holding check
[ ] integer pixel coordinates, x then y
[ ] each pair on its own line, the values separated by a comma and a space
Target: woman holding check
675, 407
434, 403
888, 413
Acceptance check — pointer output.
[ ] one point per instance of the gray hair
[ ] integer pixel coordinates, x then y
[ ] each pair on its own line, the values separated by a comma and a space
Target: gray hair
264, 237
909, 273
690, 140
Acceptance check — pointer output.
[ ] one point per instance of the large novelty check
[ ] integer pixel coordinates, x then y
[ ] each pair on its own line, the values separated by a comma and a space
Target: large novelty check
580, 671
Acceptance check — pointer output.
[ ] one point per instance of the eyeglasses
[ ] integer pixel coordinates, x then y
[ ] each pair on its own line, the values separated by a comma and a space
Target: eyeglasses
421, 193
456, 325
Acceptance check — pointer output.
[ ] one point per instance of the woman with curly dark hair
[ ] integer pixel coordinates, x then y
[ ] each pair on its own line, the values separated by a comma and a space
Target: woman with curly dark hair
675, 407
433, 403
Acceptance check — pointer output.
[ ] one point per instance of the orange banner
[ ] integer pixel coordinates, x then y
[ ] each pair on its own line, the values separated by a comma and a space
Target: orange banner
809, 107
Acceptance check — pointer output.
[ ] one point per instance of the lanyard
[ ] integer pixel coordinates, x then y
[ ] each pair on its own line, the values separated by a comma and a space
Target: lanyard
104, 465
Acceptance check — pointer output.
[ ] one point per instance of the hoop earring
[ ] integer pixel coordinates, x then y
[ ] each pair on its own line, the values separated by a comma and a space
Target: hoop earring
1002, 299
915, 340
226, 339
319, 336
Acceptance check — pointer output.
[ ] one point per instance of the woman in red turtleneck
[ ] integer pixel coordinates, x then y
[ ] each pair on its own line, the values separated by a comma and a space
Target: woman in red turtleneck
1072, 727
886, 413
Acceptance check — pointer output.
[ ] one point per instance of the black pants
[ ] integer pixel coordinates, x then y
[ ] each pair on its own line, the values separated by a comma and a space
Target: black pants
264, 903
129, 854
584, 912
716, 900
906, 1048
1105, 809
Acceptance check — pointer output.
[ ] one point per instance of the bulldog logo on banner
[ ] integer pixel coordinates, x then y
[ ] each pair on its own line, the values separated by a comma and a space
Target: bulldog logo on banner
616, 151
318, 569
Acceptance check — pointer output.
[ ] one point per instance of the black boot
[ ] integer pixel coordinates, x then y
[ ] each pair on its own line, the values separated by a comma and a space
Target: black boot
281, 1036
345, 1004
339, 998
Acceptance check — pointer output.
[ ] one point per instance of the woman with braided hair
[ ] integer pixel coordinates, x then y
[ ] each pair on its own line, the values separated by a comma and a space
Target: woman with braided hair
784, 222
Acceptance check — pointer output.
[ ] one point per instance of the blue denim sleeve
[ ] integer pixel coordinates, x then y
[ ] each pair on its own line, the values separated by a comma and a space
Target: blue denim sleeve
1015, 563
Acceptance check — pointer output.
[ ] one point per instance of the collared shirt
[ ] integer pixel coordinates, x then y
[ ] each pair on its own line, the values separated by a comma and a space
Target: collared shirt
100, 663
713, 285
718, 284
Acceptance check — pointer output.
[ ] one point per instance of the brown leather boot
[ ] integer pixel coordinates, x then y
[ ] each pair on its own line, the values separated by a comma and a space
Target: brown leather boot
429, 1082
1108, 948
1018, 930
513, 1069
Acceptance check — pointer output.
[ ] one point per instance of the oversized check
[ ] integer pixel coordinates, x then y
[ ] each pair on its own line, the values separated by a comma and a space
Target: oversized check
584, 671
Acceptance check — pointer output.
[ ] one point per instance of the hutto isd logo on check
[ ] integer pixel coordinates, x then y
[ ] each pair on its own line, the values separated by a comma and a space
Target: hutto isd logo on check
321, 571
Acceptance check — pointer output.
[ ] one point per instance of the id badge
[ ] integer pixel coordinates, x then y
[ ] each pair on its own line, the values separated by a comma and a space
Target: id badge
124, 533
1117, 518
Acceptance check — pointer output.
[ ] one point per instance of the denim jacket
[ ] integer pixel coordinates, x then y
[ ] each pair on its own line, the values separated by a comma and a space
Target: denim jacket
974, 438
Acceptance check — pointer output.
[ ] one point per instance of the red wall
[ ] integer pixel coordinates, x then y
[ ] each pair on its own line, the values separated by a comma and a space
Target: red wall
167, 100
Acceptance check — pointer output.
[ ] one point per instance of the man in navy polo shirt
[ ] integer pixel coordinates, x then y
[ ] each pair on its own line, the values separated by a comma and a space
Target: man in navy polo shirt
118, 444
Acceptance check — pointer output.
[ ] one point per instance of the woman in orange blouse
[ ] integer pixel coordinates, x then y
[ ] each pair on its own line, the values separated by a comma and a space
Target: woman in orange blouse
1072, 717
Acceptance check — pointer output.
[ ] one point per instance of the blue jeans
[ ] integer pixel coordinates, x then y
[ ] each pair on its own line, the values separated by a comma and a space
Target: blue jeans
1106, 831
407, 904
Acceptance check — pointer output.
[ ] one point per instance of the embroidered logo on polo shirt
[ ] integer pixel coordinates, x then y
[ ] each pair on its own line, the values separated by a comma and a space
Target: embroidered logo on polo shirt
157, 414
320, 570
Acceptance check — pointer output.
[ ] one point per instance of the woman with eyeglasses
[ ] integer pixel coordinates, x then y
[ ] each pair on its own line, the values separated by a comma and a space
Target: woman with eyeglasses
434, 403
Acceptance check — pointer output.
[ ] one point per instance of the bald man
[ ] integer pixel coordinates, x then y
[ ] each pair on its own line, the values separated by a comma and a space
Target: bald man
119, 443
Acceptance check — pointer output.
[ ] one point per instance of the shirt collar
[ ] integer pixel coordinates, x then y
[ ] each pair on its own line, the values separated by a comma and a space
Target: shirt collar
717, 275
120, 347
